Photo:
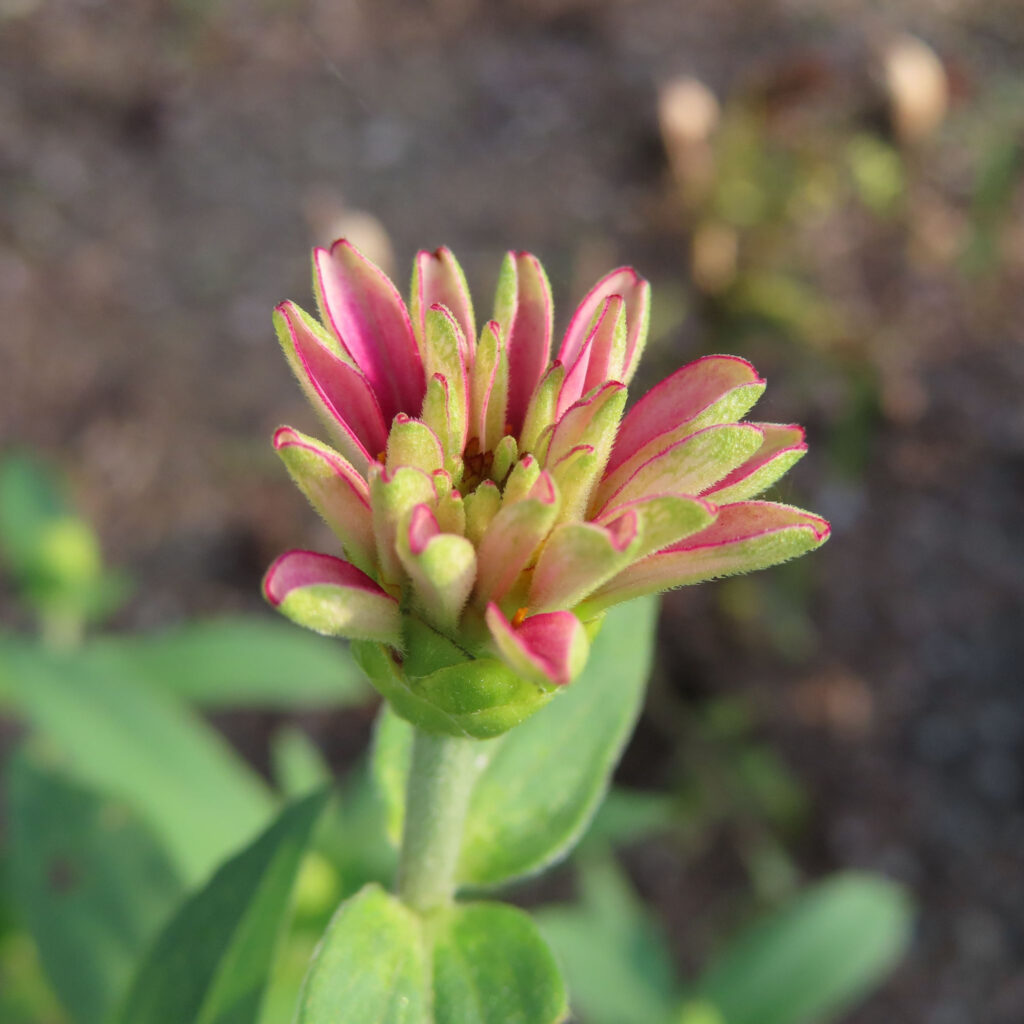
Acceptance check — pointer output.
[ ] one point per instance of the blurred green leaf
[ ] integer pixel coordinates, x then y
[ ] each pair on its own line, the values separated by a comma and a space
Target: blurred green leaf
211, 964
54, 555
491, 966
877, 171
92, 883
135, 742
615, 959
627, 815
247, 660
370, 966
299, 767
815, 956
480, 962
547, 777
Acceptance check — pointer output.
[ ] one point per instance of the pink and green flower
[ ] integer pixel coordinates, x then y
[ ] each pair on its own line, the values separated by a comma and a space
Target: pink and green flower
491, 502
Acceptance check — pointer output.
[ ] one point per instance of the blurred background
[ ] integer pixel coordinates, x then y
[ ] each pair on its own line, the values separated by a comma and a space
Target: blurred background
831, 189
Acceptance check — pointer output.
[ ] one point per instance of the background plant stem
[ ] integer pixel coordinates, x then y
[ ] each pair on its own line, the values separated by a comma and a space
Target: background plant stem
441, 778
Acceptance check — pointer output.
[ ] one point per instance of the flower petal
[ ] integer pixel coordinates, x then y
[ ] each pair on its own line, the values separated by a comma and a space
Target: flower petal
710, 390
512, 538
334, 488
370, 320
547, 649
782, 448
745, 536
335, 387
636, 294
524, 310
664, 519
444, 354
687, 466
438, 279
540, 414
442, 567
605, 344
489, 389
412, 443
579, 557
393, 495
330, 596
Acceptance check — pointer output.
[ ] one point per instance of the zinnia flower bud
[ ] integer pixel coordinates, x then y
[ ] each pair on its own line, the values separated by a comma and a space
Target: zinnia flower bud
491, 503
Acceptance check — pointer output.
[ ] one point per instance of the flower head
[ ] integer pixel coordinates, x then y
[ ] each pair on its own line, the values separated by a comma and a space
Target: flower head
492, 502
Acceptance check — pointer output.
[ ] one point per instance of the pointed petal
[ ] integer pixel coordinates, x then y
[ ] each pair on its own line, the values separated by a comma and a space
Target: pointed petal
442, 567
335, 387
782, 448
489, 389
686, 467
438, 279
540, 413
482, 506
412, 443
523, 308
334, 488
574, 475
746, 536
710, 390
330, 596
579, 557
546, 649
522, 478
392, 497
593, 420
368, 316
444, 353
636, 293
607, 338
512, 539
664, 519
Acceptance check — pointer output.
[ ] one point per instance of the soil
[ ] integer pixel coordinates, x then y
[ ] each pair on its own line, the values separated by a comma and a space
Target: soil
166, 169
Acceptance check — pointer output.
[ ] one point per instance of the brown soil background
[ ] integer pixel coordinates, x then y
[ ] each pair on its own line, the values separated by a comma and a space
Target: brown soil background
165, 169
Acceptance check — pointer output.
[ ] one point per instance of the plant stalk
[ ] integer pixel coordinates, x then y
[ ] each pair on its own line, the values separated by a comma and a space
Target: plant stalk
441, 778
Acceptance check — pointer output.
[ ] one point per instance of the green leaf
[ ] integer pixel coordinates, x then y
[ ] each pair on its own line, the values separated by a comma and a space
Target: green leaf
139, 744
548, 777
615, 959
211, 964
251, 660
371, 966
481, 963
299, 767
92, 883
491, 966
816, 956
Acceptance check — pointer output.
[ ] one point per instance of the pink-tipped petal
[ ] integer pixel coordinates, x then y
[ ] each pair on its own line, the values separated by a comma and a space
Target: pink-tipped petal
335, 387
685, 398
334, 488
438, 280
635, 293
688, 466
333, 597
606, 337
664, 519
442, 567
579, 557
783, 447
513, 537
370, 320
745, 536
523, 308
549, 648
489, 388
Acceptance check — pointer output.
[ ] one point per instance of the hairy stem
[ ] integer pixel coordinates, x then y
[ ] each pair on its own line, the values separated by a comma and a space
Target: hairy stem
441, 778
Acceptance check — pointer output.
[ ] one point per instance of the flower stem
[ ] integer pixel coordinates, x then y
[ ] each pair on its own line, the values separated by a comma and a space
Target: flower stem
441, 778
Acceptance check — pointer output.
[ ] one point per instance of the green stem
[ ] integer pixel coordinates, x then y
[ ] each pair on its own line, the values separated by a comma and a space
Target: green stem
441, 778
